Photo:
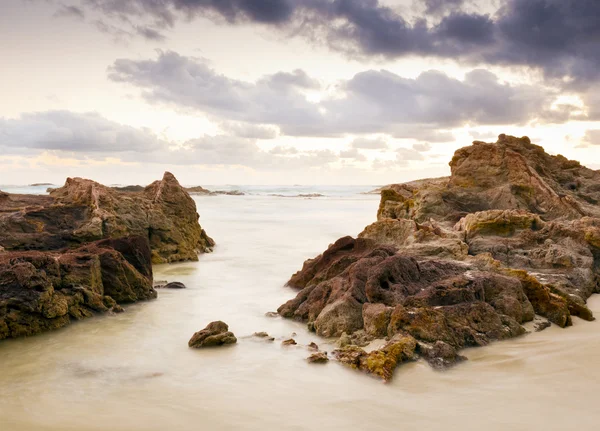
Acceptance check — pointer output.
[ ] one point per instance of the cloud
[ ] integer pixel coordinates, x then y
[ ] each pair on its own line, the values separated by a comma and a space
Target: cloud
89, 137
69, 11
592, 137
369, 144
422, 148
374, 101
353, 154
559, 37
408, 154
191, 83
74, 132
150, 33
252, 131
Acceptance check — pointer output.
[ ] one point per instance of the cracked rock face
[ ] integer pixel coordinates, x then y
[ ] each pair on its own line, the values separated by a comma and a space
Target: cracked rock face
465, 260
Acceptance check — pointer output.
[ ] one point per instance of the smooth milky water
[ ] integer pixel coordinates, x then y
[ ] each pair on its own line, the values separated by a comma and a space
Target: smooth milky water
134, 371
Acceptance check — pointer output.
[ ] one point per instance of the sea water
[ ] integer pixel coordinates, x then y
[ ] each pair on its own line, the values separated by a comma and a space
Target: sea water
134, 371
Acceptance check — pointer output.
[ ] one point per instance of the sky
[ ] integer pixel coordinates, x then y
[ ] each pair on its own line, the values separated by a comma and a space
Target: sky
289, 91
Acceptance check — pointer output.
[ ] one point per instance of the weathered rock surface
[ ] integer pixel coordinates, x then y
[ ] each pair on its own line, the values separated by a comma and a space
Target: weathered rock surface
461, 261
83, 211
87, 248
380, 363
40, 291
215, 334
318, 358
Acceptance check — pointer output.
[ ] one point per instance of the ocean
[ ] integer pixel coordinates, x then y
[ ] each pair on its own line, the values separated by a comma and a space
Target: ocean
134, 371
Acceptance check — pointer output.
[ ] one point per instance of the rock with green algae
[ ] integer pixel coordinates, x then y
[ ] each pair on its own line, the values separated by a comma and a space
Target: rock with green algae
382, 362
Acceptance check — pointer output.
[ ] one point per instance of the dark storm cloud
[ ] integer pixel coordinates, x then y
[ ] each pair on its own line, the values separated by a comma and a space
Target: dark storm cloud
440, 6
371, 102
558, 36
562, 37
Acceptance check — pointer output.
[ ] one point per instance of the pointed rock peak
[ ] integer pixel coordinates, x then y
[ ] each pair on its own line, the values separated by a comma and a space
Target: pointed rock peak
168, 177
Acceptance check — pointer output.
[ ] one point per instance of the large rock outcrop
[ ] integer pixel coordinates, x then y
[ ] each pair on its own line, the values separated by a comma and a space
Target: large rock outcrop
86, 248
465, 260
41, 290
83, 210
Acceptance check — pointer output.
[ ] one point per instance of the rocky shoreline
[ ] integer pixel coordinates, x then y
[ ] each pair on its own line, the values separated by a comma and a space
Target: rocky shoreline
460, 261
87, 248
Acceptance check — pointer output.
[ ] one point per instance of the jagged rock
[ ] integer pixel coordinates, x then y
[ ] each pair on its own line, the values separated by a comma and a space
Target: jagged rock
215, 334
82, 211
465, 260
40, 291
318, 358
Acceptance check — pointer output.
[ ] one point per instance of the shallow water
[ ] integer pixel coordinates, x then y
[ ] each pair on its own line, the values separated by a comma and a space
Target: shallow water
134, 371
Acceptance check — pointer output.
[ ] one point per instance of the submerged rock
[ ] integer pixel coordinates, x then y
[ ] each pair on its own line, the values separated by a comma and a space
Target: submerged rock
174, 285
215, 334
462, 261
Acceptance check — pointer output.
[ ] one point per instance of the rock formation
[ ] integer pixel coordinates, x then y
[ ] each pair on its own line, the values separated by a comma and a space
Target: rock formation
87, 248
40, 291
215, 334
461, 261
83, 210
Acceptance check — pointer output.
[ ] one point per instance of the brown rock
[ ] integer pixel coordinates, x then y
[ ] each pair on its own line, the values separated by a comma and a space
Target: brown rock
382, 362
464, 260
40, 291
215, 334
318, 358
290, 342
82, 211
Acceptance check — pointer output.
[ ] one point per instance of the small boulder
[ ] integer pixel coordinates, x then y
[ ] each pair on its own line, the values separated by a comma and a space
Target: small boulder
541, 325
264, 336
215, 334
440, 355
290, 342
313, 346
174, 285
318, 358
